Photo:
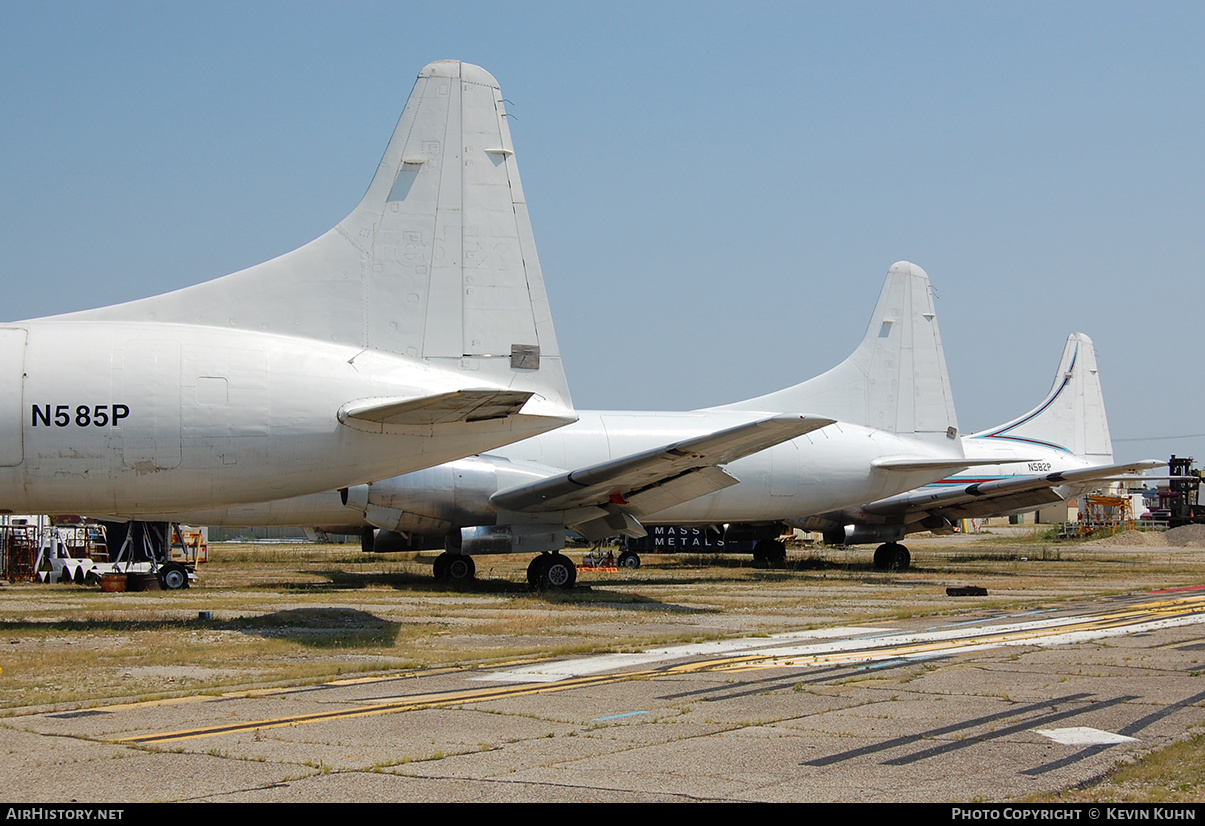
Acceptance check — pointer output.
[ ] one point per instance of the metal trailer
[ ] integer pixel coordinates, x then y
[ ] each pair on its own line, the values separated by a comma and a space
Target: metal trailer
82, 553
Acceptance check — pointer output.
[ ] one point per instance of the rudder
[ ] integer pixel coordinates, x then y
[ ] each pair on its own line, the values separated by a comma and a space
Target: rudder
1072, 416
437, 262
896, 380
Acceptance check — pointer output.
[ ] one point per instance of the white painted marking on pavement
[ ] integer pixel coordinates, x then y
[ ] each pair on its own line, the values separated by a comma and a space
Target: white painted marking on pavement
567, 669
1084, 736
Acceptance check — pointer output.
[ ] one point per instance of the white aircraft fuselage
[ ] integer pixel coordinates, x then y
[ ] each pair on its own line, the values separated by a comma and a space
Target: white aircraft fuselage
140, 417
831, 464
826, 469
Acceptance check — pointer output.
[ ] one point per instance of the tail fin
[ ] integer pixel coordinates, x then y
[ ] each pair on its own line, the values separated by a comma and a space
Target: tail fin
1072, 416
437, 262
896, 380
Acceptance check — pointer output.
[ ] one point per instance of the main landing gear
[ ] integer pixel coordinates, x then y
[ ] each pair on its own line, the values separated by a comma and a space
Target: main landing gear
552, 571
770, 553
892, 556
454, 568
548, 571
629, 559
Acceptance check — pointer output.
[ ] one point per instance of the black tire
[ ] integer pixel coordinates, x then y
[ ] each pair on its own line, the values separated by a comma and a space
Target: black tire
556, 573
460, 568
629, 559
892, 556
535, 570
774, 553
440, 567
173, 576
368, 540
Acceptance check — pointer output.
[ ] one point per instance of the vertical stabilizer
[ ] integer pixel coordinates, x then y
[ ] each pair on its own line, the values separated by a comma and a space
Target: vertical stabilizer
896, 380
1072, 416
437, 262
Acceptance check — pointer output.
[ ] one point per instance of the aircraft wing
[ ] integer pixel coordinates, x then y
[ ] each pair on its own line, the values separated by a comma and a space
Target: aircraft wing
655, 479
981, 499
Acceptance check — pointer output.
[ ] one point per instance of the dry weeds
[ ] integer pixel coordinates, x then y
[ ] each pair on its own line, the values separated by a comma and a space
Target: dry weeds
299, 613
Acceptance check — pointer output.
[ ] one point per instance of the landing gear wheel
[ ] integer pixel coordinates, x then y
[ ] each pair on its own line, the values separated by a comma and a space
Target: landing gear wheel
773, 553
560, 572
552, 572
629, 559
535, 570
892, 556
173, 576
450, 567
368, 540
459, 568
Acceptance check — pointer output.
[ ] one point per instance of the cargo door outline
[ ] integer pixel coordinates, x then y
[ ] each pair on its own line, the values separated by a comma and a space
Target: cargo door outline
12, 404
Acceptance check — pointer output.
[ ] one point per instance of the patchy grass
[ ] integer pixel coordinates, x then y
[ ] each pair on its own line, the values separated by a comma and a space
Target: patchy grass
294, 614
1175, 774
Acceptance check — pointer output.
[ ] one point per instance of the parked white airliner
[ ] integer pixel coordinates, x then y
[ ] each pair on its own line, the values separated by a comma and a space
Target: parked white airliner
1055, 452
415, 332
616, 472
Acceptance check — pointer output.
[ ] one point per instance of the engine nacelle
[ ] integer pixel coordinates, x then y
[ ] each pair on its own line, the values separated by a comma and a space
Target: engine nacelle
390, 542
436, 501
864, 534
416, 503
938, 525
355, 497
511, 539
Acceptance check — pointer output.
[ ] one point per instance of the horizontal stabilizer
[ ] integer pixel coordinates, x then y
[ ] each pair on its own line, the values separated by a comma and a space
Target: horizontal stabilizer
931, 500
619, 480
441, 408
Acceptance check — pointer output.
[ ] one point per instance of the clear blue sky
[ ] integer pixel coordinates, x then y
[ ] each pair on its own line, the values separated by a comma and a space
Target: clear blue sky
717, 189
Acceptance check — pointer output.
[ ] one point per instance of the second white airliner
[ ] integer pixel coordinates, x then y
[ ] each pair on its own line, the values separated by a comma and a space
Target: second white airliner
885, 424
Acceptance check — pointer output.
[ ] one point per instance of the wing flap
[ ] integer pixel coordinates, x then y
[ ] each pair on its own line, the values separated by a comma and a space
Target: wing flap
690, 485
625, 480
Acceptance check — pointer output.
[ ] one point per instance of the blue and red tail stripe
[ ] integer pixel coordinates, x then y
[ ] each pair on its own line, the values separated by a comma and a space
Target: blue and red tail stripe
1000, 434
